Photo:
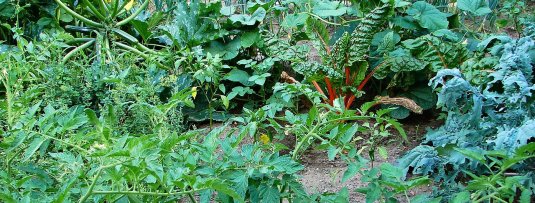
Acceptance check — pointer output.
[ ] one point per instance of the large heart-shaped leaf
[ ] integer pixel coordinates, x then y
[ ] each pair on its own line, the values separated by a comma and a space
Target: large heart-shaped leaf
474, 7
329, 9
245, 19
428, 16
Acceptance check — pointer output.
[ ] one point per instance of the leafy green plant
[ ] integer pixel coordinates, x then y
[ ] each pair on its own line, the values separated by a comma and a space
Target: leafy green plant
32, 16
497, 184
330, 128
103, 21
414, 62
496, 115
232, 36
344, 65
70, 155
387, 181
514, 14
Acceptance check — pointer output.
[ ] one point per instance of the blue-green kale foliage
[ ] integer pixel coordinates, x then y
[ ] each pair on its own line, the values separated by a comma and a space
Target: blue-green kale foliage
496, 115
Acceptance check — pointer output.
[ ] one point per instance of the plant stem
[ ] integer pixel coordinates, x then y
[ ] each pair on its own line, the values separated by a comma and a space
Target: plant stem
9, 95
485, 197
332, 92
90, 189
319, 18
92, 186
94, 10
143, 55
192, 198
66, 143
78, 16
131, 17
362, 84
107, 192
300, 143
76, 50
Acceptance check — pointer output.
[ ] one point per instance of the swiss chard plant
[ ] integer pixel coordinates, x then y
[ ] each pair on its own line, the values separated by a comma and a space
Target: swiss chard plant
344, 66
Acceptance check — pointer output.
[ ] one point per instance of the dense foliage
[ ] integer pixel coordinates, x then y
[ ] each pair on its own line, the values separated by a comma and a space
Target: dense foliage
495, 115
171, 101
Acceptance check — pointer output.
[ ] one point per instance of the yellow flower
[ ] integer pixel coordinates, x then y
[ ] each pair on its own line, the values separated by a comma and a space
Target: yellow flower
194, 92
264, 138
129, 5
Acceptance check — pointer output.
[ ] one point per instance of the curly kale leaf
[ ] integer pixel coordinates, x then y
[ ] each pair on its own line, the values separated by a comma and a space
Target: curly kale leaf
423, 160
497, 114
513, 138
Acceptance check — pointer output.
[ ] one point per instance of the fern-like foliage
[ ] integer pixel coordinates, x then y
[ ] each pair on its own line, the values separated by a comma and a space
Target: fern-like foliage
495, 115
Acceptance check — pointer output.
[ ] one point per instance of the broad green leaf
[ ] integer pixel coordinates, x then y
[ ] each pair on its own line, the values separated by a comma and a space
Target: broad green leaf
225, 101
391, 171
312, 115
142, 28
478, 156
428, 16
294, 20
474, 7
7, 198
398, 127
401, 3
220, 186
246, 19
237, 75
462, 197
329, 9
382, 152
65, 189
406, 22
269, 193
418, 181
240, 182
227, 10
352, 169
259, 79
398, 112
93, 117
34, 146
222, 88
348, 135
250, 38
525, 197
424, 198
332, 152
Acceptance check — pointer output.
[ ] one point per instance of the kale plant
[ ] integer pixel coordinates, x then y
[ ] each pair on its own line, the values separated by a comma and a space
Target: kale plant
498, 114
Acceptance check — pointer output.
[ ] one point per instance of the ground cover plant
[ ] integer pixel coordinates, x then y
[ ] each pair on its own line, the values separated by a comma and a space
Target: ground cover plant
222, 101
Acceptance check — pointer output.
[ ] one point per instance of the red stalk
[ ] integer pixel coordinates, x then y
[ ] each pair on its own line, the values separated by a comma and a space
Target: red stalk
361, 86
348, 75
318, 87
332, 92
